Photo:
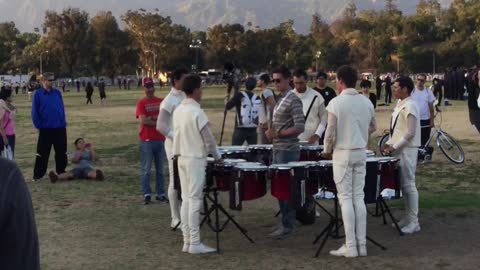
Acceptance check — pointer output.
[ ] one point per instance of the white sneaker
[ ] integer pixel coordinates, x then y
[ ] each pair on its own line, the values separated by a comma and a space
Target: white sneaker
402, 223
413, 227
186, 247
362, 250
200, 249
174, 223
343, 251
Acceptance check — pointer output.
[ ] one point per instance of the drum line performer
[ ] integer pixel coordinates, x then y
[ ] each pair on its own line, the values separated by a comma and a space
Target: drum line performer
313, 108
192, 142
405, 137
165, 126
351, 119
288, 122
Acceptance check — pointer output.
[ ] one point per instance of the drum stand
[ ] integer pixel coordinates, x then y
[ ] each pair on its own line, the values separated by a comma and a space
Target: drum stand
332, 228
211, 195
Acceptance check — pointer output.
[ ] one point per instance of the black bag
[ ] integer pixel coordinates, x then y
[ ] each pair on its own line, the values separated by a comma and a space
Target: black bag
306, 214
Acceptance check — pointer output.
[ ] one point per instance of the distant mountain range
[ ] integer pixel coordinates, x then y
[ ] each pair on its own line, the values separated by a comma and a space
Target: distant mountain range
200, 14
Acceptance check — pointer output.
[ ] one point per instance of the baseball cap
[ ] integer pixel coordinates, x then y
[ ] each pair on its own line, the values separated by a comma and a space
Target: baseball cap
48, 76
148, 82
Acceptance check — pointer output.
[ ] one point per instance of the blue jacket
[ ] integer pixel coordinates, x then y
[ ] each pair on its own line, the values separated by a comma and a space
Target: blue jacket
48, 110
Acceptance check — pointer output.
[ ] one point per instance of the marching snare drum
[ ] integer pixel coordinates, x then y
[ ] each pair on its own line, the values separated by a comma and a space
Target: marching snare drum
310, 152
260, 153
382, 173
234, 152
249, 182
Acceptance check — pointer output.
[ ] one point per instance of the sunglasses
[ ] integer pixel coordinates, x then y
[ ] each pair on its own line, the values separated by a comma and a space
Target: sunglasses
276, 81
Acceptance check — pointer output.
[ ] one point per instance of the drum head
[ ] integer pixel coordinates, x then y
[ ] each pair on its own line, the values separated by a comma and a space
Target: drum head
381, 159
326, 163
232, 149
304, 164
251, 166
280, 167
311, 147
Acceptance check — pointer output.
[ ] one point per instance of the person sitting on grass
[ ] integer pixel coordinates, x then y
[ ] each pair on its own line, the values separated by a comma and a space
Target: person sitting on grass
83, 168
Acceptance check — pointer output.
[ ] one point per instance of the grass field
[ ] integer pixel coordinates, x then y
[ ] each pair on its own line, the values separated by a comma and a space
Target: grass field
104, 225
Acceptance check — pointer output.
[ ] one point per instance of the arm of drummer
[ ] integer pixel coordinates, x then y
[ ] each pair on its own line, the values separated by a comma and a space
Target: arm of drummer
210, 143
323, 120
271, 106
330, 134
163, 123
409, 134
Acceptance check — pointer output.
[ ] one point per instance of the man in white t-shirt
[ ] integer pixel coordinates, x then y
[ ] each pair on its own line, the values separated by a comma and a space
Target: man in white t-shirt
164, 126
268, 104
192, 142
424, 99
313, 108
351, 120
403, 144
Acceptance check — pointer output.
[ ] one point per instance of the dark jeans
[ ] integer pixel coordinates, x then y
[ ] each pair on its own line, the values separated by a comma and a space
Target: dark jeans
89, 99
388, 95
286, 209
240, 135
440, 95
425, 131
11, 143
379, 92
46, 138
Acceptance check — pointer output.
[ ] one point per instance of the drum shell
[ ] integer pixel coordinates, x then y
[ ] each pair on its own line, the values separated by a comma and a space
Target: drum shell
247, 185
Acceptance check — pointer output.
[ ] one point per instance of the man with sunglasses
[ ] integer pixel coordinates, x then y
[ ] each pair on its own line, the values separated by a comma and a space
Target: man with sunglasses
288, 122
48, 116
424, 99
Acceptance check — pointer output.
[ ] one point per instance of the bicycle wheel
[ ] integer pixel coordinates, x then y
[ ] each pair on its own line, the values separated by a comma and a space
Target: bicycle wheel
382, 142
452, 150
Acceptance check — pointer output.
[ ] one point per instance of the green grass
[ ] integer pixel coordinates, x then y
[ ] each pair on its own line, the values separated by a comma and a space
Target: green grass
103, 225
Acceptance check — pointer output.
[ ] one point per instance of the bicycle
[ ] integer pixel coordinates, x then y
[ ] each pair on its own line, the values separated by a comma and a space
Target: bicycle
447, 144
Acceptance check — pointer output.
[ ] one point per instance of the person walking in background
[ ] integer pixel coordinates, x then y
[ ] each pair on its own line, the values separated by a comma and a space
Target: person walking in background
247, 105
326, 91
424, 99
437, 88
378, 86
48, 116
388, 90
119, 82
266, 111
62, 85
125, 83
8, 113
78, 85
151, 143
101, 91
18, 233
89, 91
365, 85
165, 127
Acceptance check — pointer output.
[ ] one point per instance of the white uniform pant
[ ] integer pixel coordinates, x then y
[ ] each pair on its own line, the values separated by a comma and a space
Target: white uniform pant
408, 165
349, 169
192, 179
175, 203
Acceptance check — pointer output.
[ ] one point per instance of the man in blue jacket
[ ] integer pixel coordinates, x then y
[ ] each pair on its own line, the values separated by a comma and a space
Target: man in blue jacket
48, 115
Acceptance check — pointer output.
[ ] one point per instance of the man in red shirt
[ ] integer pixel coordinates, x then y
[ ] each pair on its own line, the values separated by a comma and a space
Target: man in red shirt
151, 142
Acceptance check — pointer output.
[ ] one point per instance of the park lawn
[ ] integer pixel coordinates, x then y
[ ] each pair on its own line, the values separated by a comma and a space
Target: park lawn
104, 225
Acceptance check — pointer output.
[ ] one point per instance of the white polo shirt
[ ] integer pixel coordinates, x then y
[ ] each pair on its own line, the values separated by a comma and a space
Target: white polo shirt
354, 113
188, 120
312, 123
400, 114
169, 104
423, 98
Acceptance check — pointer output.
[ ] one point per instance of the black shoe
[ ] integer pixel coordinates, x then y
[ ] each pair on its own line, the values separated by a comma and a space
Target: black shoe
161, 198
147, 199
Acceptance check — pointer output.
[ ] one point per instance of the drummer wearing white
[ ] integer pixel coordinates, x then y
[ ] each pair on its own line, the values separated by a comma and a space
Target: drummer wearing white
405, 136
164, 126
288, 122
192, 142
351, 119
313, 108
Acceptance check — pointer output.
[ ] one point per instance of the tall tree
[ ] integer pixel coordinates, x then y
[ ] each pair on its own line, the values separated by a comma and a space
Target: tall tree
67, 37
350, 11
390, 6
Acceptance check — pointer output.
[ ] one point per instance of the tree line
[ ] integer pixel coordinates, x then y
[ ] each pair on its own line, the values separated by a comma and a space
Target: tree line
71, 43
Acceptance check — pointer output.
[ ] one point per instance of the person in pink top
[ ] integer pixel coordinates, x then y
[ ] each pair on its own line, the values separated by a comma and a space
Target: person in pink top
7, 119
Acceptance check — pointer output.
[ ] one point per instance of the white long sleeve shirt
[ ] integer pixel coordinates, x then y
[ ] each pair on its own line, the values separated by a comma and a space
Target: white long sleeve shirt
317, 119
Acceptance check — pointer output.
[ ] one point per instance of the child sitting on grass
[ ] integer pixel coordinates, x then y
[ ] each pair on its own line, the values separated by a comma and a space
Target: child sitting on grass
83, 168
